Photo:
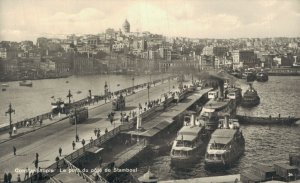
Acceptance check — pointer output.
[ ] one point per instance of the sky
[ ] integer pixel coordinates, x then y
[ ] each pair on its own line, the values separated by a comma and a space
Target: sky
29, 19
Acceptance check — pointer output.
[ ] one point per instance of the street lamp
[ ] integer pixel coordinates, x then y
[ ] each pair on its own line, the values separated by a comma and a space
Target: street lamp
148, 87
75, 118
69, 96
169, 83
132, 84
10, 111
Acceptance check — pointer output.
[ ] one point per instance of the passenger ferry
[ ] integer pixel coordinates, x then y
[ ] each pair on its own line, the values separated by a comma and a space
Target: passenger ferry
214, 109
226, 145
190, 142
25, 83
262, 77
250, 98
235, 93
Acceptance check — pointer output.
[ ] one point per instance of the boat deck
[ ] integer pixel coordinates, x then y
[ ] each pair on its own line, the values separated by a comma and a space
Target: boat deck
216, 104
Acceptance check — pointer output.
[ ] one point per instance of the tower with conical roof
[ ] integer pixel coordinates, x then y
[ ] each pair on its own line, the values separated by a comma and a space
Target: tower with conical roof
126, 26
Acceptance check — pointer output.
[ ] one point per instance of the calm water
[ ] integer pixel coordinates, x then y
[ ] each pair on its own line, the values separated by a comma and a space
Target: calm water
265, 144
31, 101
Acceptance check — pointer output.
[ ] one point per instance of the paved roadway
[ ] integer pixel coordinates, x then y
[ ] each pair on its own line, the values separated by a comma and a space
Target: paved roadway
46, 141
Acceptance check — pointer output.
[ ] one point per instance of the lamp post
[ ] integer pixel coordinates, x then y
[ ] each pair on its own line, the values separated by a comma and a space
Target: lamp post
75, 117
148, 87
10, 111
69, 96
132, 84
169, 83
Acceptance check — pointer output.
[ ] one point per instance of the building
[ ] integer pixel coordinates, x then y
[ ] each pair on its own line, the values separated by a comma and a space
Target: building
126, 27
244, 58
207, 62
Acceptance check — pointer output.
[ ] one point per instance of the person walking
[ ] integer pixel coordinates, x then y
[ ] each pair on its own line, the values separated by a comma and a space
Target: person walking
73, 144
60, 151
106, 131
9, 177
77, 138
91, 141
26, 174
37, 156
83, 142
5, 178
95, 131
36, 163
18, 178
57, 161
99, 131
15, 150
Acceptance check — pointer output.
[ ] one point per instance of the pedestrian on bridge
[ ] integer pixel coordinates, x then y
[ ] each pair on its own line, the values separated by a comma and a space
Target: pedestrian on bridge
37, 156
91, 141
60, 151
36, 163
83, 142
106, 131
73, 144
15, 150
26, 173
77, 138
9, 177
5, 178
57, 161
98, 131
95, 131
18, 178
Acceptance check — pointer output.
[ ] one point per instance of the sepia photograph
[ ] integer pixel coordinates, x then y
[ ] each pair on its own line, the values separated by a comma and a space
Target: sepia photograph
149, 91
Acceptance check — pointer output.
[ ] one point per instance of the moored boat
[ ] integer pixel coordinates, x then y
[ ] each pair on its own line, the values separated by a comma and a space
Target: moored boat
251, 120
226, 145
249, 76
25, 83
262, 77
235, 93
214, 109
189, 144
250, 98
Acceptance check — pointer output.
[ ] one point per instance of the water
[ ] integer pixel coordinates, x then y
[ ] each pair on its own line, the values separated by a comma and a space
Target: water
31, 101
265, 144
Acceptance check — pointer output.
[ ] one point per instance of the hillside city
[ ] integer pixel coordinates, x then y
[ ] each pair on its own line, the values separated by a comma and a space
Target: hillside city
126, 52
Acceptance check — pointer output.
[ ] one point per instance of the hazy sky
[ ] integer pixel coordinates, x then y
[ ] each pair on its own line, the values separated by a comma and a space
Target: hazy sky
29, 19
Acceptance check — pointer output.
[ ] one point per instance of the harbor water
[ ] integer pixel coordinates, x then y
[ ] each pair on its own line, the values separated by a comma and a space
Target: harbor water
265, 144
31, 101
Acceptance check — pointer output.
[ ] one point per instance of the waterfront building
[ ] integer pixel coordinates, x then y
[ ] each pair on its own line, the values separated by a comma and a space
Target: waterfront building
244, 58
207, 62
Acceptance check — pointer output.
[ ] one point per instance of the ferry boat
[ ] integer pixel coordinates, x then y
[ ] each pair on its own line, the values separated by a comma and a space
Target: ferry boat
249, 76
189, 144
250, 98
25, 83
235, 93
226, 145
262, 77
214, 109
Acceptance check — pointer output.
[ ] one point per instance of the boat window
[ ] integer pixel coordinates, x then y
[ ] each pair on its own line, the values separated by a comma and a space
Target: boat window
183, 143
217, 146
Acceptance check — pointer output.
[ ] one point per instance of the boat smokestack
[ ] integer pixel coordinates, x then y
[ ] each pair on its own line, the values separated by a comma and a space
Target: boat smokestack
226, 122
192, 122
138, 121
221, 89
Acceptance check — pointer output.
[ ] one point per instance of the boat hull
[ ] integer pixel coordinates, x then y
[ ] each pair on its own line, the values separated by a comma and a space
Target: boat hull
267, 120
250, 103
